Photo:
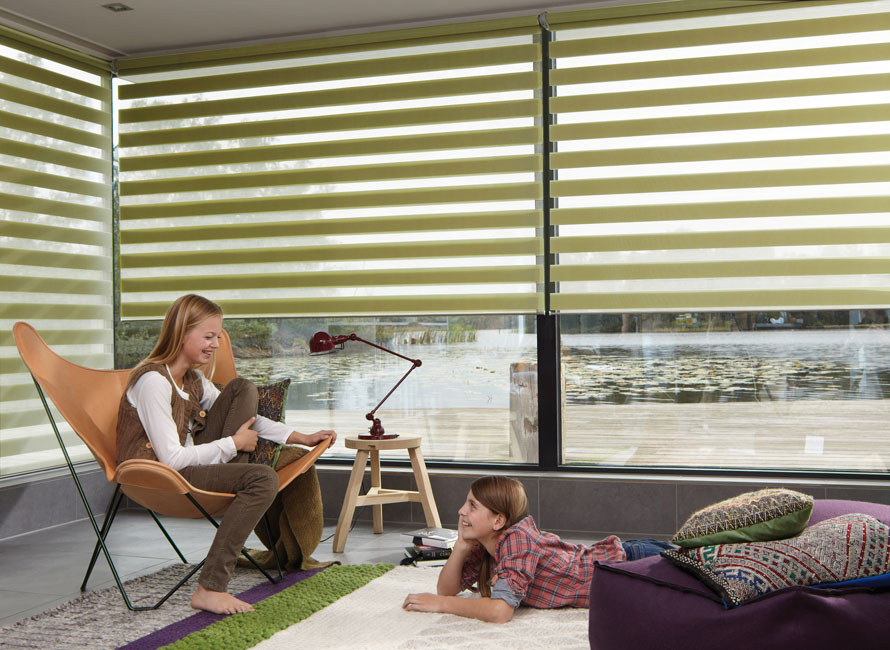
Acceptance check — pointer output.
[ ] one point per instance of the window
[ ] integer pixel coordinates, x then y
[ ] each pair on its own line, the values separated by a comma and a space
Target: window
789, 391
473, 399
722, 234
55, 203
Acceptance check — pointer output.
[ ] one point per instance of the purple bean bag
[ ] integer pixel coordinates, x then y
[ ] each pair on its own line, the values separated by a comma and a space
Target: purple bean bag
650, 604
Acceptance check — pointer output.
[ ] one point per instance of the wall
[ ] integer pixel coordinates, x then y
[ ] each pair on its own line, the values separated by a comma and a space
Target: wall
575, 504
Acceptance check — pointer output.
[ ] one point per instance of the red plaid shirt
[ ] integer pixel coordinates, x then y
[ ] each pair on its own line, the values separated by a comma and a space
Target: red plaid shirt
539, 569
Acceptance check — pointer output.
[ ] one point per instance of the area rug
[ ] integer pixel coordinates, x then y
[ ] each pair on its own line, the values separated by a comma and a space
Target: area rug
372, 618
99, 619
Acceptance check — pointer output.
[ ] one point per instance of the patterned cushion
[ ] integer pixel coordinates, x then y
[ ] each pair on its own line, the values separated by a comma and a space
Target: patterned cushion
773, 513
843, 548
272, 399
271, 405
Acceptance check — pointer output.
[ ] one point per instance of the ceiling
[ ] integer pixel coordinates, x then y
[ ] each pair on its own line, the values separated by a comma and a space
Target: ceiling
166, 26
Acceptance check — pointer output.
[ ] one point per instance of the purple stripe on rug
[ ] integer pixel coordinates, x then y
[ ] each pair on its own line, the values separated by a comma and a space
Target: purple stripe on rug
200, 620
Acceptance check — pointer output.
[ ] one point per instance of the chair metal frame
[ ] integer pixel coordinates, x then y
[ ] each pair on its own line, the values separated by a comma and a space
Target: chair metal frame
286, 475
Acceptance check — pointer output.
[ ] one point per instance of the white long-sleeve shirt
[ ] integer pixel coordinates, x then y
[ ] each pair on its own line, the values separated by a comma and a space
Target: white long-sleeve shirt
151, 396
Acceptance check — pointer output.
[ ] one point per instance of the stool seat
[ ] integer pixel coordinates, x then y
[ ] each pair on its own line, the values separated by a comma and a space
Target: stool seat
377, 496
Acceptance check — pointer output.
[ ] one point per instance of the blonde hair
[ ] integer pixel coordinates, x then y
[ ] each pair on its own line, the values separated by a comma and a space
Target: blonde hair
503, 496
186, 313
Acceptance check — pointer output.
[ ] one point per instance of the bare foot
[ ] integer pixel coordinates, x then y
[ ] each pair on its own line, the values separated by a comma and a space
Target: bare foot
218, 602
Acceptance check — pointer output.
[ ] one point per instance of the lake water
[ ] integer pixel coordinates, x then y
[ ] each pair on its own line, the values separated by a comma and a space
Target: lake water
673, 367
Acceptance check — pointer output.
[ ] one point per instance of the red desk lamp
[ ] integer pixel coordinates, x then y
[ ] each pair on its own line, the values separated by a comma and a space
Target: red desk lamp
324, 343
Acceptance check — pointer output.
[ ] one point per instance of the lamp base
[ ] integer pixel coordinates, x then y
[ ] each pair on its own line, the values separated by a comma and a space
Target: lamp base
385, 436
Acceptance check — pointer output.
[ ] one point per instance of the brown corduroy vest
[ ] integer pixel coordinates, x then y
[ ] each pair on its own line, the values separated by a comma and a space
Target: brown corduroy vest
132, 441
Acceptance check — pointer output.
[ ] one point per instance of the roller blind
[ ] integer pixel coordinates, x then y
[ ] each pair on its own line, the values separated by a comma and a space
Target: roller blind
394, 175
722, 159
56, 242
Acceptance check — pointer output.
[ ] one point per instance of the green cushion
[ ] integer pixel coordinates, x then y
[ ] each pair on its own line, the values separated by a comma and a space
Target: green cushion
773, 513
837, 550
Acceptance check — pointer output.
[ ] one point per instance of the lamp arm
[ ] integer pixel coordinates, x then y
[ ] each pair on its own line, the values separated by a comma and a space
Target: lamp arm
415, 363
342, 338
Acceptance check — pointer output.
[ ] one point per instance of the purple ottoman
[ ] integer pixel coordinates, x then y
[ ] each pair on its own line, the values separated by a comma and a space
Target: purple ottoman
651, 604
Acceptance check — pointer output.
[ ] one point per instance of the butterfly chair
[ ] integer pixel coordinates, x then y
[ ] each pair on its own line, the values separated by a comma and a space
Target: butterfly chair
89, 399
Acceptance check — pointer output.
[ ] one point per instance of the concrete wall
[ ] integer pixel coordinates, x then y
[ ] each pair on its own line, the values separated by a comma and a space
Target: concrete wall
582, 505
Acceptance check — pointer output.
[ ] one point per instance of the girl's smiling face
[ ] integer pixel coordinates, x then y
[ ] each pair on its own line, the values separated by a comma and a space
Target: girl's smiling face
476, 521
200, 342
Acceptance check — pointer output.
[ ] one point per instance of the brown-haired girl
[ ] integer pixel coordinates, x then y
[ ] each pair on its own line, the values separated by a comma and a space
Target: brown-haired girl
501, 551
172, 413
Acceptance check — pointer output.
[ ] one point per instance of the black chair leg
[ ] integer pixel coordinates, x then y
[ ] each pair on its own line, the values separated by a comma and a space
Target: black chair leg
110, 514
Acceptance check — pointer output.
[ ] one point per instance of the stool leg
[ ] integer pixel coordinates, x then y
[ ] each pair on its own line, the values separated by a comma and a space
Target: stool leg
352, 490
423, 486
377, 509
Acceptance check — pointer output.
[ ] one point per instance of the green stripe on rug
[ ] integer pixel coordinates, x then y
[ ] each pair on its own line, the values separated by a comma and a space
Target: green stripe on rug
242, 631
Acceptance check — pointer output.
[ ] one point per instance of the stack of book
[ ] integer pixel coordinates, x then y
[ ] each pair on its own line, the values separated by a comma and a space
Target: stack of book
429, 546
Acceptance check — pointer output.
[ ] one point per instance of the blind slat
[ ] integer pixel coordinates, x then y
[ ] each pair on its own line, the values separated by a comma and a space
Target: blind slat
734, 300
53, 156
331, 201
459, 304
723, 269
389, 250
337, 97
367, 146
384, 172
391, 277
397, 65
314, 228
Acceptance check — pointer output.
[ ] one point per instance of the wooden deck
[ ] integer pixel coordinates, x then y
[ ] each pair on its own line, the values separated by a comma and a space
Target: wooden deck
799, 435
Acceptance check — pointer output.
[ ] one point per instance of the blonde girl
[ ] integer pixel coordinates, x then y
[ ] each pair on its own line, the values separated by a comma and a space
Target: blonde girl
172, 413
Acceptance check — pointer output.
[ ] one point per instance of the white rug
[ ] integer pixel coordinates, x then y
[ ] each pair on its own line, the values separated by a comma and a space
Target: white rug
372, 618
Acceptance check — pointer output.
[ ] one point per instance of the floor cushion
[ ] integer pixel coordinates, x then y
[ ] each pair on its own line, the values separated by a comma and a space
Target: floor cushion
651, 603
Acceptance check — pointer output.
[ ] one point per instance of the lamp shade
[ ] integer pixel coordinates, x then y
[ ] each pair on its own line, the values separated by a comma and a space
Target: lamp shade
321, 343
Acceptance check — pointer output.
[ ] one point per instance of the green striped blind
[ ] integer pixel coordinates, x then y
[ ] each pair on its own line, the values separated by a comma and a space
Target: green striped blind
340, 177
722, 159
56, 242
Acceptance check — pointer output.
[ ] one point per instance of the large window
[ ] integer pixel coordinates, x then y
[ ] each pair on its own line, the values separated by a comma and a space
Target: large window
722, 235
792, 391
474, 398
56, 242
694, 193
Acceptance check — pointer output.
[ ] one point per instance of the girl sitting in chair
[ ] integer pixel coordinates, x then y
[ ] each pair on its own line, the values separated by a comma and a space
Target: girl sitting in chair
501, 551
172, 413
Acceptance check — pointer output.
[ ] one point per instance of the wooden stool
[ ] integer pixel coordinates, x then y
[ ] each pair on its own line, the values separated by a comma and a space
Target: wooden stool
377, 496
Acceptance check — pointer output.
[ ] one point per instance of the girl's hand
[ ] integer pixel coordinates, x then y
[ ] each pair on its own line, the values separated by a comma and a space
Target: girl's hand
245, 438
310, 440
423, 603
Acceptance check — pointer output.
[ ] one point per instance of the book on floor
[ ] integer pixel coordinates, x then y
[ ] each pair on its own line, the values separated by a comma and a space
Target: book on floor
427, 552
426, 556
438, 537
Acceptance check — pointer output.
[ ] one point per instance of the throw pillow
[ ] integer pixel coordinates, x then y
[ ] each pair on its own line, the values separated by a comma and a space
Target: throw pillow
272, 399
271, 405
836, 550
773, 513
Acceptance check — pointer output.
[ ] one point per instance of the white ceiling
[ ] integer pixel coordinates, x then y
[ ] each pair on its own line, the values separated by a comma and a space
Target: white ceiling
163, 26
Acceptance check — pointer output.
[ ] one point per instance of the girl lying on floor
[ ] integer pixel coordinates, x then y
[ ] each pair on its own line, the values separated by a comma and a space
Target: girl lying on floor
501, 551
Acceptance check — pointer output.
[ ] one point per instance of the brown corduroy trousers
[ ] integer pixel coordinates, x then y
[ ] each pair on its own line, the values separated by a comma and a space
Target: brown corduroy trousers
253, 485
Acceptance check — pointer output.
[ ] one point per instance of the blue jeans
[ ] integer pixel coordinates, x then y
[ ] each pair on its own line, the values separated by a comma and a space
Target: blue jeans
636, 549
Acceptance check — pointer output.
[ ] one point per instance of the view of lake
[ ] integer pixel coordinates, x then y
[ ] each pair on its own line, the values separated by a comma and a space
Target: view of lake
672, 367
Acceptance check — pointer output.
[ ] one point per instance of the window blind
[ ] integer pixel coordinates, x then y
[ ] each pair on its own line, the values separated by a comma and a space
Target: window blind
722, 159
56, 242
387, 174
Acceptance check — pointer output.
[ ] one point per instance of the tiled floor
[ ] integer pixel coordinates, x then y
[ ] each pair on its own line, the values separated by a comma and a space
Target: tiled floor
44, 569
